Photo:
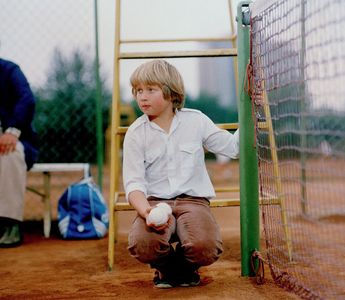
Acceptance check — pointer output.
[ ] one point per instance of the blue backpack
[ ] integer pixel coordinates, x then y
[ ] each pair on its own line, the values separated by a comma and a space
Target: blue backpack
82, 212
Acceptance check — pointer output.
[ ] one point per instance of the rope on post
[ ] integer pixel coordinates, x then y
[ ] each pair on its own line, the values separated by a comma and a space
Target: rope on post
258, 269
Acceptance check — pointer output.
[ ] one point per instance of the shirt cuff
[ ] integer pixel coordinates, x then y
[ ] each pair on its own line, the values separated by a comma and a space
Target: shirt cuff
135, 187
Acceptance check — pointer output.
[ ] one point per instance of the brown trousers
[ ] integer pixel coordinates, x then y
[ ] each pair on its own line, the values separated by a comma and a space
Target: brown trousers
193, 228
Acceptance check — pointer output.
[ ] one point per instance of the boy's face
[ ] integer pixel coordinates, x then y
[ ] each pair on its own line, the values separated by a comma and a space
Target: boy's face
151, 100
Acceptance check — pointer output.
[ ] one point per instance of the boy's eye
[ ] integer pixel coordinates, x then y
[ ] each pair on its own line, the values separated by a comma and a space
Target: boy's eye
139, 91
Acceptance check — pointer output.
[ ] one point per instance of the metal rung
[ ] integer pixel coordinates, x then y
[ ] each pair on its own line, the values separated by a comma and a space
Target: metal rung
263, 125
176, 54
229, 126
121, 130
236, 202
224, 202
124, 206
149, 41
227, 189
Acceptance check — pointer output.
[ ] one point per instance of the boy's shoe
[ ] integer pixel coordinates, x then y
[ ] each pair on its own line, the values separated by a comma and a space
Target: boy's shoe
161, 282
11, 237
190, 279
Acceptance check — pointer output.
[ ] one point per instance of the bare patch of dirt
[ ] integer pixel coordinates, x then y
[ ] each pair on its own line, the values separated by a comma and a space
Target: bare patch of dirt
58, 269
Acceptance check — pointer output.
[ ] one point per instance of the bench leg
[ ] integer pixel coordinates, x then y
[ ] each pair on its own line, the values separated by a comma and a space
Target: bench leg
47, 205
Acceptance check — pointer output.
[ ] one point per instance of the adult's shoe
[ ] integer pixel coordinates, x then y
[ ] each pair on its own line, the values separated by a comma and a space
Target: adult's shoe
11, 237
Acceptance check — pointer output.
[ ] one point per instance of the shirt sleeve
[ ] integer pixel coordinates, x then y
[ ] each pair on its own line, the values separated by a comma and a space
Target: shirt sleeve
133, 164
219, 141
24, 108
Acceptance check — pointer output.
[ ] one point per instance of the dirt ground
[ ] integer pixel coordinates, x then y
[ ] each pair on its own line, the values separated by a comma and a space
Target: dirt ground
58, 269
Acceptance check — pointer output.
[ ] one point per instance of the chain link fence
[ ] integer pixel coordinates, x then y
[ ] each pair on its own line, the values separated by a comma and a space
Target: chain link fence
298, 62
54, 43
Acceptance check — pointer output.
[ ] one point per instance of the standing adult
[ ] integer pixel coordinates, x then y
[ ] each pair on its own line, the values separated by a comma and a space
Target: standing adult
18, 149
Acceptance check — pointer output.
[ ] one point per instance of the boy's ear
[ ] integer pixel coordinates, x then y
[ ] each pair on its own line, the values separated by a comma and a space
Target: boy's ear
166, 92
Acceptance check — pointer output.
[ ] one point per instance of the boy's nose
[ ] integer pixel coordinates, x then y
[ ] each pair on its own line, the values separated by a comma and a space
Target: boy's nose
142, 95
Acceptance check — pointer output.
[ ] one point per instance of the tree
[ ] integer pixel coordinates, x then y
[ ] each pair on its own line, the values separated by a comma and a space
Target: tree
65, 116
210, 105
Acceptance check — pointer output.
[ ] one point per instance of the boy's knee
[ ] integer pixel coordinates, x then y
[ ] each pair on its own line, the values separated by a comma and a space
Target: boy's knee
148, 251
202, 253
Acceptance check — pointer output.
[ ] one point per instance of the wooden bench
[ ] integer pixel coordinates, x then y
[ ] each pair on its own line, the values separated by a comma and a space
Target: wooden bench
46, 169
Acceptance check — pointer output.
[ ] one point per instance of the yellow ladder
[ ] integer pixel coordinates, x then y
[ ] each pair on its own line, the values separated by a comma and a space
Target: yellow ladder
117, 131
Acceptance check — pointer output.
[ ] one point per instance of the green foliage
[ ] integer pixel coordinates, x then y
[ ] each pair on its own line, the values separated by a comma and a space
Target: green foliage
210, 106
65, 115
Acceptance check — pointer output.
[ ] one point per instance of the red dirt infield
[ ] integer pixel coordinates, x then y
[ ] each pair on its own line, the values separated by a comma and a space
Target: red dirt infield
58, 269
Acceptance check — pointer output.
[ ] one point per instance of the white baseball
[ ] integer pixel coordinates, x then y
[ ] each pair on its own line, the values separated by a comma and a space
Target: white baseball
165, 207
157, 216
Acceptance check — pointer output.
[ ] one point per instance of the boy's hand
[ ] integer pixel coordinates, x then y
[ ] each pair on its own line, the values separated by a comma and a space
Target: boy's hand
159, 228
155, 227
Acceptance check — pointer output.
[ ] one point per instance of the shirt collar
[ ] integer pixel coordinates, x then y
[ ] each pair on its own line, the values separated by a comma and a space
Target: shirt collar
174, 124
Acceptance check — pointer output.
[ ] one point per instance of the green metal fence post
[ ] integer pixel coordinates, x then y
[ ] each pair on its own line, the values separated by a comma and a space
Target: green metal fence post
249, 196
99, 119
303, 137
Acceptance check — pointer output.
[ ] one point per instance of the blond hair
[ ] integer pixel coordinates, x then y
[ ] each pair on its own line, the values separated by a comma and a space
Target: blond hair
161, 73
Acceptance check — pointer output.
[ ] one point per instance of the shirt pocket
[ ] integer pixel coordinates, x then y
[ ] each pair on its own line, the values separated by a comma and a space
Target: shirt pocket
190, 155
151, 156
154, 165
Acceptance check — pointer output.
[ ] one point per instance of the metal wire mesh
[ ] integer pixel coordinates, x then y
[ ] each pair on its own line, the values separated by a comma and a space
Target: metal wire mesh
54, 44
299, 66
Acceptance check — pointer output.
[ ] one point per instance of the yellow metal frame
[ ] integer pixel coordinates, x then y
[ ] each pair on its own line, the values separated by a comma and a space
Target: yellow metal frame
277, 176
117, 131
278, 182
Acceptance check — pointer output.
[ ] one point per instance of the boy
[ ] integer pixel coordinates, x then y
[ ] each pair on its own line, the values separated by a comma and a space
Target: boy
164, 162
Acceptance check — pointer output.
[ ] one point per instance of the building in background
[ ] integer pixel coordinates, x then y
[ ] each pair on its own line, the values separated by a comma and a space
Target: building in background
217, 76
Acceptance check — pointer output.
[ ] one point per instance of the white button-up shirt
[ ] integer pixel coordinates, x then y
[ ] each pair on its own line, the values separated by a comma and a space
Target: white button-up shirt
166, 165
